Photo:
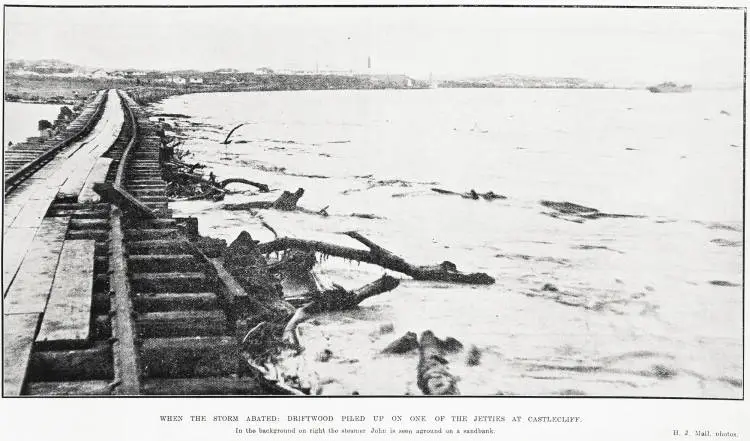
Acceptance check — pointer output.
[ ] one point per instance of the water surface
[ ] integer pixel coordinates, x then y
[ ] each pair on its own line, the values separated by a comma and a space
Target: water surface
22, 119
646, 306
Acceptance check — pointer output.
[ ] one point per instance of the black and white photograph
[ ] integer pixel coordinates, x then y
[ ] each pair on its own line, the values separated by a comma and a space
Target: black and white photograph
364, 200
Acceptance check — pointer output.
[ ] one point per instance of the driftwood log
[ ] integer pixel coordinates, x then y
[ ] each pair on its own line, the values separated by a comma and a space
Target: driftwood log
433, 377
337, 299
244, 261
569, 209
377, 255
180, 178
180, 166
226, 140
286, 202
263, 188
472, 194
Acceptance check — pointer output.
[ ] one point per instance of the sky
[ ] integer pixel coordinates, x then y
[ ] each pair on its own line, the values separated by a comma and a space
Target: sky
702, 47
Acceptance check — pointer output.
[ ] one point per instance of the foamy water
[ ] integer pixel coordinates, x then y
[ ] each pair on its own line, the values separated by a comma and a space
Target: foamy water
647, 306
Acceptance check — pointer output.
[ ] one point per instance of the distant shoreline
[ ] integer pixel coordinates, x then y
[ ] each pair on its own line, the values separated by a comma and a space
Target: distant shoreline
69, 91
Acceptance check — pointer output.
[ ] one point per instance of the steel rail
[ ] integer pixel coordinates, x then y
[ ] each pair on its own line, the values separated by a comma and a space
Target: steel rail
28, 169
125, 356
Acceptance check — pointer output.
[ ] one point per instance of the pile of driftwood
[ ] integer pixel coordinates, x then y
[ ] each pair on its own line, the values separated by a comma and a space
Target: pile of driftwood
185, 182
284, 291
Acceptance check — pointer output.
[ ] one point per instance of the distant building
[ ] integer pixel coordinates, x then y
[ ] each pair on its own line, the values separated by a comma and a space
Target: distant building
196, 80
264, 71
395, 80
176, 79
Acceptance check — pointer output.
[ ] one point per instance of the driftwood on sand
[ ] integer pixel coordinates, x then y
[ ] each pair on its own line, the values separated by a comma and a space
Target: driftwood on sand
286, 202
226, 140
263, 188
579, 212
377, 255
185, 183
337, 299
266, 297
433, 377
472, 194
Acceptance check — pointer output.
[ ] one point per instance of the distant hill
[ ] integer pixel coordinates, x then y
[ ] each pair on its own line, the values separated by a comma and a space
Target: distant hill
521, 81
43, 67
51, 68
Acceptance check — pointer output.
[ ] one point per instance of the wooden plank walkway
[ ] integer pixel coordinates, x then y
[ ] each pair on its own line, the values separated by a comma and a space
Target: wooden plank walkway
85, 156
67, 318
33, 282
18, 338
97, 176
16, 242
20, 154
25, 208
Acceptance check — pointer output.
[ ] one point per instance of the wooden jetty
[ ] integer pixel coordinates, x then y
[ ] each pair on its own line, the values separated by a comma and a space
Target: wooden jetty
103, 294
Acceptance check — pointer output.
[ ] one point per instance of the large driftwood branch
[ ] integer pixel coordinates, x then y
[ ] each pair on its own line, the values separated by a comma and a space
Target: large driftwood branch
226, 140
198, 180
335, 300
286, 202
444, 272
263, 188
472, 194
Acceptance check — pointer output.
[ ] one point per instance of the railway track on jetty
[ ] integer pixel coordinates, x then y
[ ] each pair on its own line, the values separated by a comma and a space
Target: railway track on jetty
22, 160
111, 297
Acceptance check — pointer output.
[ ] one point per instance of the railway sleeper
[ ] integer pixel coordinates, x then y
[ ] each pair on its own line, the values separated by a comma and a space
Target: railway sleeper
169, 301
185, 357
187, 323
231, 385
69, 388
153, 263
93, 363
170, 282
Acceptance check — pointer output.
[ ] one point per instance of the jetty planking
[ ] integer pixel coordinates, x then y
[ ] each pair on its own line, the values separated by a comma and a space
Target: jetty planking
31, 287
13, 255
18, 338
67, 318
98, 175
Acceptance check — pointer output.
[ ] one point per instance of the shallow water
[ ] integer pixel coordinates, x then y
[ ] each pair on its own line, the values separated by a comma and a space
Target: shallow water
647, 306
22, 119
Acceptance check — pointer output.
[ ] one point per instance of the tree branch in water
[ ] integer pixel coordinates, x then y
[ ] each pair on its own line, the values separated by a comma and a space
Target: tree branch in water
377, 255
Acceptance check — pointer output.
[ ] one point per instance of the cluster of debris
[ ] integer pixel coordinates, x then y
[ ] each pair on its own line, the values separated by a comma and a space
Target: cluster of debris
185, 182
283, 290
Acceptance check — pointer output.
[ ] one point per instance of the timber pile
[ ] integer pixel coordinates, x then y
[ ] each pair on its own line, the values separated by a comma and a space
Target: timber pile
284, 293
269, 328
183, 180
